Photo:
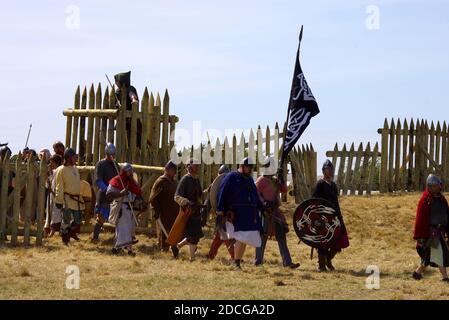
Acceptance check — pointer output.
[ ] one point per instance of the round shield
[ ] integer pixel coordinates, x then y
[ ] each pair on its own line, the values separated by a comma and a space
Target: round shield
317, 223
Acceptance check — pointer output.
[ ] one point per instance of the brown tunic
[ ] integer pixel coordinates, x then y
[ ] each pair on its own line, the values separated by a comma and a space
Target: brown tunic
162, 201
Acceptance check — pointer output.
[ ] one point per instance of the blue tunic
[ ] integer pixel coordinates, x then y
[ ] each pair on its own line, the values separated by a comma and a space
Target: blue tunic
239, 194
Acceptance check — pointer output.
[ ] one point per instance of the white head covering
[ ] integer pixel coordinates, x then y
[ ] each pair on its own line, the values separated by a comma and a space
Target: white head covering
269, 169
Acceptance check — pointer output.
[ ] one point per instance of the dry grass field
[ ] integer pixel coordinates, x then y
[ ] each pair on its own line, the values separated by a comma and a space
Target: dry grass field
380, 230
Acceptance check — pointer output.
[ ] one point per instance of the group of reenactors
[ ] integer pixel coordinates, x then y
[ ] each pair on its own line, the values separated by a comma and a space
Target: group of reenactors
247, 212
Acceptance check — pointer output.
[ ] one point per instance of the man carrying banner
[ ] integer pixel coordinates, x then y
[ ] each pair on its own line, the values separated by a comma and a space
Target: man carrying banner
273, 220
327, 189
240, 205
162, 201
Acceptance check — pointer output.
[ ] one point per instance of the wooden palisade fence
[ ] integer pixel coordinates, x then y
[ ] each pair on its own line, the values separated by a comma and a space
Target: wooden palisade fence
355, 170
149, 119
303, 163
22, 209
107, 123
410, 151
265, 143
231, 152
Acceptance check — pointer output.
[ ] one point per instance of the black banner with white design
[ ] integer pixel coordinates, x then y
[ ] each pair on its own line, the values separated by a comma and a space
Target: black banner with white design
302, 107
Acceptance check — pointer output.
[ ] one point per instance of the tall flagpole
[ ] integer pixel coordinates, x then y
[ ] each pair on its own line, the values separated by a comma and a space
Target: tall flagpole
288, 109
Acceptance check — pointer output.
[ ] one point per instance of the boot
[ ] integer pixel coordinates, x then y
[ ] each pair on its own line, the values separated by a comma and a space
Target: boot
47, 231
72, 233
65, 237
329, 258
55, 227
321, 263
96, 233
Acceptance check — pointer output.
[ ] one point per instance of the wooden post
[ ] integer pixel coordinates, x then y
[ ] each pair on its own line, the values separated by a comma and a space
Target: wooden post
306, 171
314, 166
334, 156
76, 106
410, 178
384, 159
165, 141
305, 190
391, 155
172, 135
157, 109
145, 127
437, 157
432, 142
295, 180
445, 160
404, 156
418, 158
397, 164
111, 121
104, 125
267, 141
152, 128
341, 170
82, 141
31, 180
260, 155
97, 141
133, 136
207, 167
241, 149
364, 171
90, 128
16, 206
68, 132
349, 172
372, 171
4, 197
41, 198
125, 127
356, 176
227, 154
234, 152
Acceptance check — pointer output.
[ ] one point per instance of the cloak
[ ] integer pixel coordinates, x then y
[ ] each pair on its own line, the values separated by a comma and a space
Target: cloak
422, 222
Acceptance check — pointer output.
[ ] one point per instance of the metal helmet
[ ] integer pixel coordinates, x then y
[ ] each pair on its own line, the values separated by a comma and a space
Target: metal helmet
247, 162
433, 180
328, 164
269, 167
68, 153
127, 167
110, 149
223, 169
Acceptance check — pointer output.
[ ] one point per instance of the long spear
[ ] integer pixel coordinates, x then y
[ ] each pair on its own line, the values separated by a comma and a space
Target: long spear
28, 136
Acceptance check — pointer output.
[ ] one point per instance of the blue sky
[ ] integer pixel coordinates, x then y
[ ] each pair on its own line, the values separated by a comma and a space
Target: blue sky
228, 63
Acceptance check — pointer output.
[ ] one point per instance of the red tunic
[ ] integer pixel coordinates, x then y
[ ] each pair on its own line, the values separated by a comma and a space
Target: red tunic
129, 183
422, 222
